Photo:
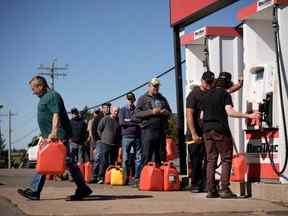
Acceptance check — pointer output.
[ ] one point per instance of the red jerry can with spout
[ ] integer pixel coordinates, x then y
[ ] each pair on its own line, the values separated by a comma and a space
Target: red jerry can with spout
170, 148
107, 178
239, 168
51, 157
171, 177
151, 178
88, 171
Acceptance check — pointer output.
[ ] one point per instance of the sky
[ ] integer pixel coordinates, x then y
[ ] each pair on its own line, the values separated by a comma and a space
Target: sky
110, 47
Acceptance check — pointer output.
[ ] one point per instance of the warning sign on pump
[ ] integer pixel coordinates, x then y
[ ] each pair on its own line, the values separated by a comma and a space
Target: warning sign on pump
262, 4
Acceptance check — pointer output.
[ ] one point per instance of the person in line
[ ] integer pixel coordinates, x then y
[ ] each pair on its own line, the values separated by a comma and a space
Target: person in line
130, 132
79, 134
109, 131
54, 124
153, 111
195, 132
93, 139
217, 105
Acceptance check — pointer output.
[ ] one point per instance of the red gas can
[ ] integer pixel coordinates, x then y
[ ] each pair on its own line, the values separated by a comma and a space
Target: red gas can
88, 172
171, 177
239, 168
107, 178
51, 157
151, 178
170, 148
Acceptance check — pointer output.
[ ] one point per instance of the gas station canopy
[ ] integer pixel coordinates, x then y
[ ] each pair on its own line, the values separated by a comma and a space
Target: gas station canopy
184, 12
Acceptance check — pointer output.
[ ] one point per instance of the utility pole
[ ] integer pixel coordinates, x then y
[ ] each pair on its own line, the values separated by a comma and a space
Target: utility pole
52, 71
10, 114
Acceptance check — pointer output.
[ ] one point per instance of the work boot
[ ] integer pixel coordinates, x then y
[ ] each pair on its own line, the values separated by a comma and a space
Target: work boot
80, 194
227, 194
28, 193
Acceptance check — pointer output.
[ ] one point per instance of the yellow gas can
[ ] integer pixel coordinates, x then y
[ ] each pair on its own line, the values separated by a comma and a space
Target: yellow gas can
117, 176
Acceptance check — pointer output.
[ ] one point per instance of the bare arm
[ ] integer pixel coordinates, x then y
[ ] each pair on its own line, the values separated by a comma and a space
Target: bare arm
235, 114
191, 125
236, 86
55, 126
89, 130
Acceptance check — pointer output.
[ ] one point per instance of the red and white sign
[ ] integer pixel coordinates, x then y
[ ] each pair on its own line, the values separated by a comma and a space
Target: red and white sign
259, 154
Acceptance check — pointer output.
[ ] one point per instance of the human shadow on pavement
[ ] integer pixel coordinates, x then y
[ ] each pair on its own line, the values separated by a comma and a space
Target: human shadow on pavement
103, 197
113, 197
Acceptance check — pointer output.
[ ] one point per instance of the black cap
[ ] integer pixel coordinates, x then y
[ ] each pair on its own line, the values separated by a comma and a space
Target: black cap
106, 104
224, 80
226, 76
208, 76
130, 96
74, 110
97, 111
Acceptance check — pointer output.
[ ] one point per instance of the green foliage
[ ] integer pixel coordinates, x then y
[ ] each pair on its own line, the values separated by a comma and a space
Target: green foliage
86, 114
2, 144
172, 127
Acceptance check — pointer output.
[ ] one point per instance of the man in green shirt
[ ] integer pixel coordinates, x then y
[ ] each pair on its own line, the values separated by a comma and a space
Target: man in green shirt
54, 123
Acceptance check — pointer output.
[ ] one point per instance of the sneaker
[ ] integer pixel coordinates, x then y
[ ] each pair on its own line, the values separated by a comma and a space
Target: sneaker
212, 194
28, 193
100, 181
227, 194
79, 194
134, 183
196, 189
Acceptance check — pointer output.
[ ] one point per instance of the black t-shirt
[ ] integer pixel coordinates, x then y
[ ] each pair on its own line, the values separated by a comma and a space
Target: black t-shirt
215, 116
194, 101
79, 130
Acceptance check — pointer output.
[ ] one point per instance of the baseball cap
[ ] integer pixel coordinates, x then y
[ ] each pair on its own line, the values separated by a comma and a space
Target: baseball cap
224, 80
155, 82
226, 76
74, 110
106, 104
130, 96
97, 111
208, 76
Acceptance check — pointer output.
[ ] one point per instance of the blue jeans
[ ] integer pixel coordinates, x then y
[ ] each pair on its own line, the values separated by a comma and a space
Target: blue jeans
79, 152
96, 153
127, 144
39, 179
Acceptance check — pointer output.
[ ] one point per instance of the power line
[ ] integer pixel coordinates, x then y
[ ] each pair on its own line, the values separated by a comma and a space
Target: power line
132, 90
52, 71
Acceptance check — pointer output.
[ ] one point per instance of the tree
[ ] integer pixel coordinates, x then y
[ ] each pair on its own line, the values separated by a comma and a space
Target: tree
2, 144
172, 127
